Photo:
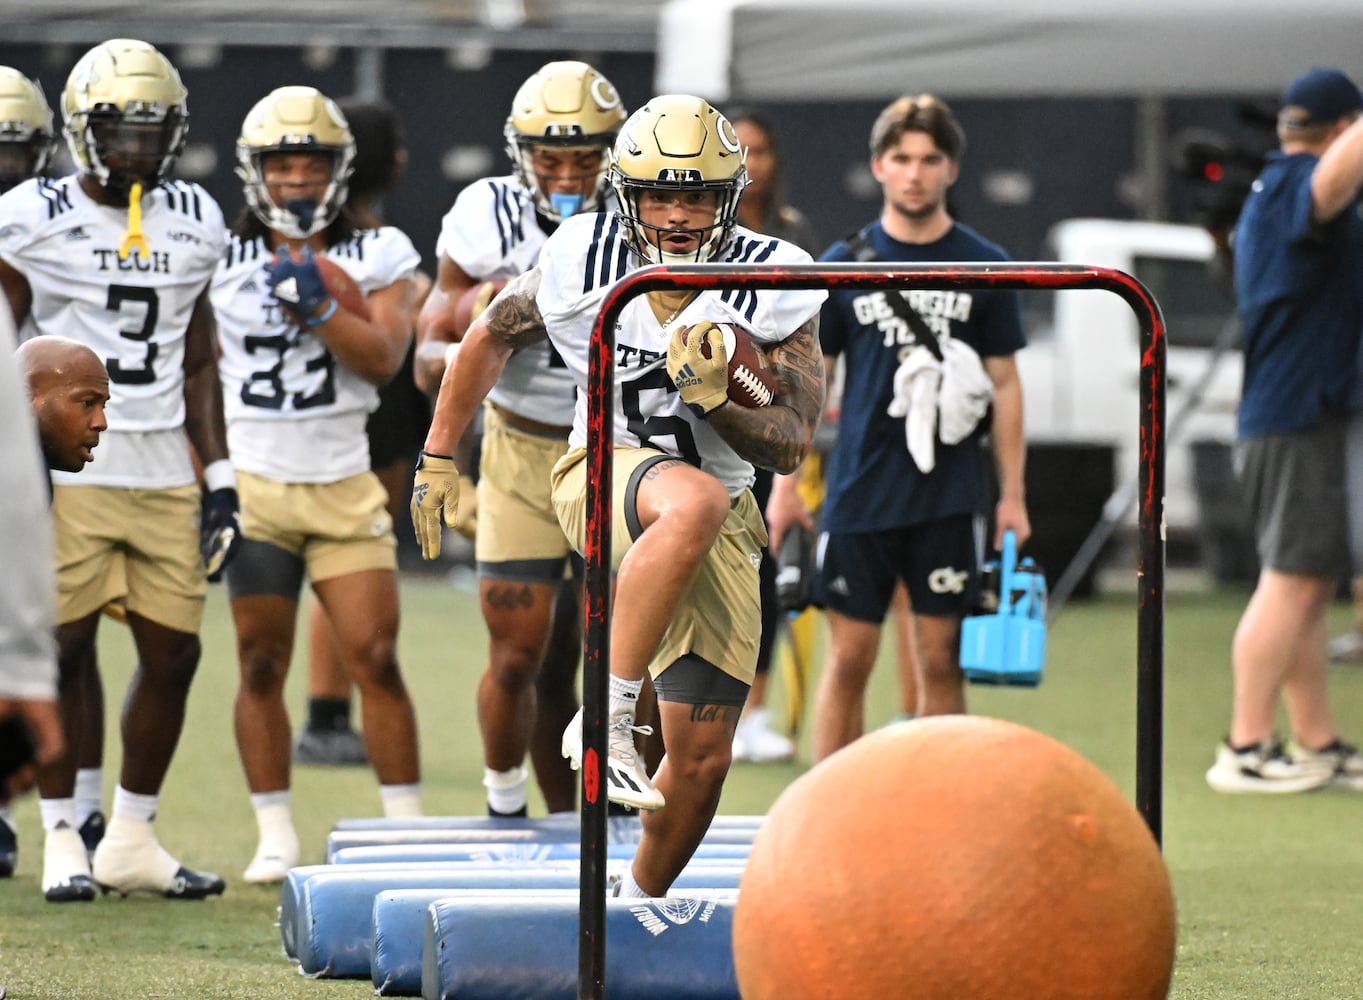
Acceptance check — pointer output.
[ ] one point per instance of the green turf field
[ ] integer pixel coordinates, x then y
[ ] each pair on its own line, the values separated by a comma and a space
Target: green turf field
1268, 890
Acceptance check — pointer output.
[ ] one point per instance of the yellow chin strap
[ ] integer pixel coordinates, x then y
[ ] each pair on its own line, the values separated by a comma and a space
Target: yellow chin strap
133, 239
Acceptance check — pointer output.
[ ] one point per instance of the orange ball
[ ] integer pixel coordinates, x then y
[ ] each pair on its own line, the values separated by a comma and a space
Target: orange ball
950, 858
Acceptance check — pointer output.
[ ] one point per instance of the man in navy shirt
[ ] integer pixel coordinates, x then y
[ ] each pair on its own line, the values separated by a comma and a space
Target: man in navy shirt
904, 499
1299, 284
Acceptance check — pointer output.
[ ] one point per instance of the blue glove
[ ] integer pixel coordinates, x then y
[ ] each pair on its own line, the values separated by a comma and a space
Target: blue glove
219, 531
296, 283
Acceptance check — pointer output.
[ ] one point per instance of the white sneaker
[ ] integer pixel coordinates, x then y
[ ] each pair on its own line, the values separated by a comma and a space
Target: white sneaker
1343, 757
757, 742
66, 867
1266, 768
1347, 647
271, 863
626, 780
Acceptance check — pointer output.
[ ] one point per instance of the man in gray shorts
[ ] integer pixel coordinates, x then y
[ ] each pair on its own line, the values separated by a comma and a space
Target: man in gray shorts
1299, 288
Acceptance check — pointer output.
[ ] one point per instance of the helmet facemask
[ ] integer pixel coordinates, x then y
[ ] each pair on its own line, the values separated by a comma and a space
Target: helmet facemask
296, 218
556, 205
22, 155
137, 144
647, 238
26, 134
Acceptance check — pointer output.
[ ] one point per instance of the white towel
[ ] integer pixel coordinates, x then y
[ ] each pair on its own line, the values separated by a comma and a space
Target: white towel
916, 385
945, 399
966, 391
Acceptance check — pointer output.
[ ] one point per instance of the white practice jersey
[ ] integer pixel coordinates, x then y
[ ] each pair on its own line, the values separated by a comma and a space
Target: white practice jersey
493, 232
583, 259
294, 414
133, 313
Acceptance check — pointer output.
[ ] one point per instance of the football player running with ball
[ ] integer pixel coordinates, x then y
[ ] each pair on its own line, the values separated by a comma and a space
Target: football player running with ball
687, 534
563, 121
300, 377
118, 257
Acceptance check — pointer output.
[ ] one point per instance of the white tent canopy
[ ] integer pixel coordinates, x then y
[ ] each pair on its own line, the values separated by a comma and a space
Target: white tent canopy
774, 50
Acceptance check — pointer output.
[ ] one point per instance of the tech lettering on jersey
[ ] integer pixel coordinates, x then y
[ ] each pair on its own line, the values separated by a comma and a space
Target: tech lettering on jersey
629, 356
108, 260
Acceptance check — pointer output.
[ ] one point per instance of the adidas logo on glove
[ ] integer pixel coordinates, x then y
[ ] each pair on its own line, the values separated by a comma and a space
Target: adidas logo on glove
287, 289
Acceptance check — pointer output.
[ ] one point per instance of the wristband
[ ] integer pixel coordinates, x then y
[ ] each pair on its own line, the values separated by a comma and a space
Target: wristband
327, 313
451, 352
220, 475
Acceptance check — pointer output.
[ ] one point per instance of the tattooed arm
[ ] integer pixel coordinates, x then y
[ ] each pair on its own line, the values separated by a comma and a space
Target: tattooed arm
778, 436
511, 321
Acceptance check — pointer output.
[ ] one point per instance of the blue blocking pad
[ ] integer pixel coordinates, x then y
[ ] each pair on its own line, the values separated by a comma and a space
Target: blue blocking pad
656, 949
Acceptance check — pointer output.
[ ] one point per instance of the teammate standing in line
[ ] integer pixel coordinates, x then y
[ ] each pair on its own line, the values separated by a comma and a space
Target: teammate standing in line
563, 121
119, 257
300, 376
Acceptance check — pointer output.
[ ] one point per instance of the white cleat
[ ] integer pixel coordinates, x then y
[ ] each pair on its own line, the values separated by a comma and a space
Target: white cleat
756, 742
271, 863
626, 780
130, 860
66, 867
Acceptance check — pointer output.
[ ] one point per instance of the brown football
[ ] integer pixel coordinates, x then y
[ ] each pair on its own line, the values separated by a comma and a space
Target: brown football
342, 287
752, 380
473, 302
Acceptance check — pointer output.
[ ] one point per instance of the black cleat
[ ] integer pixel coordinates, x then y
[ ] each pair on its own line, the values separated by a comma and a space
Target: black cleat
330, 747
92, 831
76, 889
9, 850
521, 813
190, 884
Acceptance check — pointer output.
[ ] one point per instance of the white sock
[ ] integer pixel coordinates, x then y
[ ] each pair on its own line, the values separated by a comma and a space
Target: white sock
132, 805
630, 888
401, 800
57, 811
274, 816
505, 789
89, 792
624, 695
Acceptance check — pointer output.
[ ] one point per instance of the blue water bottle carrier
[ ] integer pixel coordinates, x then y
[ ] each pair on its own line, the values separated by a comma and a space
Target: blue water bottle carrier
1008, 646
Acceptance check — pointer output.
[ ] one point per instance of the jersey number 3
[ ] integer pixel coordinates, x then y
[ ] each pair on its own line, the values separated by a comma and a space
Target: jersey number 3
143, 374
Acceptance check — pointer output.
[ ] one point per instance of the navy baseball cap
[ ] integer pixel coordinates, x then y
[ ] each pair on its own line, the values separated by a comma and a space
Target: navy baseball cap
1326, 95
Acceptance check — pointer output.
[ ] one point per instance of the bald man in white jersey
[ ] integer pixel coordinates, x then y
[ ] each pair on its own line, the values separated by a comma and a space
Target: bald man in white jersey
119, 258
687, 535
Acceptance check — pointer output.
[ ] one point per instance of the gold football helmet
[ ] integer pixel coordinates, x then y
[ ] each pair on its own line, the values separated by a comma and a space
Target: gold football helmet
565, 105
125, 114
26, 134
295, 120
678, 143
